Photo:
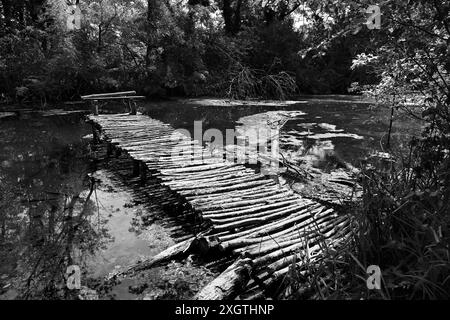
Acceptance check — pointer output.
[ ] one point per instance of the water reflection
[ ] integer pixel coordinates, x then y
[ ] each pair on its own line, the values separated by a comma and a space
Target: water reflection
131, 241
47, 208
351, 129
321, 142
63, 203
55, 212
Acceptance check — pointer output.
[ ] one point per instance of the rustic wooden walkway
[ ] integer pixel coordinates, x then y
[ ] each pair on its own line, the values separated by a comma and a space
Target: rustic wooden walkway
267, 227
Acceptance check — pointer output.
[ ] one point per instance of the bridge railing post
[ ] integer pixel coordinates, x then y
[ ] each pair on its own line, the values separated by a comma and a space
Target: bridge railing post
132, 107
94, 105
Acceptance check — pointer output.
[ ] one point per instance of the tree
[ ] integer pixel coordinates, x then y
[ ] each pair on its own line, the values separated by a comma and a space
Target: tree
231, 11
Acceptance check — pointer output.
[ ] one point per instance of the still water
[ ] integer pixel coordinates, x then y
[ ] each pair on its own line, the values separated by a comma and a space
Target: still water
317, 130
60, 205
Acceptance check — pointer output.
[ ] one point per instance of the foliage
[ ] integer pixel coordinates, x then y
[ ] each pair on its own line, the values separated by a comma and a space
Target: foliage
403, 216
165, 48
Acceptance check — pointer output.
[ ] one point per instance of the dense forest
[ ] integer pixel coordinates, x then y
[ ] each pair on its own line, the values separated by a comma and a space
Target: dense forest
233, 48
273, 49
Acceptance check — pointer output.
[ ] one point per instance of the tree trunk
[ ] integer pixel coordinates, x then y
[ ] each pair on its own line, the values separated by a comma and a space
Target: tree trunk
232, 16
237, 17
227, 12
100, 40
152, 17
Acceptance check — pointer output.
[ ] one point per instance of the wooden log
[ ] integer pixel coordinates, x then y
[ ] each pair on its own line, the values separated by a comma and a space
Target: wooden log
306, 253
249, 221
233, 187
306, 236
273, 226
177, 251
217, 183
138, 138
283, 252
208, 202
278, 274
238, 202
211, 176
248, 193
111, 94
201, 174
116, 98
251, 208
177, 183
228, 284
297, 228
226, 166
227, 203
173, 161
128, 125
294, 207
247, 242
197, 168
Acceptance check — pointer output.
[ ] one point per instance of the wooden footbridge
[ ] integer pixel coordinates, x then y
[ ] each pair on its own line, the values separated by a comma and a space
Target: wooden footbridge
266, 229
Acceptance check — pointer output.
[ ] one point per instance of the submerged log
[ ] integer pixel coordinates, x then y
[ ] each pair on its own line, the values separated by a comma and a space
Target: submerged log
228, 284
177, 251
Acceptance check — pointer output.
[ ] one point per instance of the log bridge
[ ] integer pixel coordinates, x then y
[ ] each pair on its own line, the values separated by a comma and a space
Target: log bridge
265, 230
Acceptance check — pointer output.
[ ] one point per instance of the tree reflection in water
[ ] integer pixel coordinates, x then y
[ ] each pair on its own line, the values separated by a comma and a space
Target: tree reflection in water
48, 215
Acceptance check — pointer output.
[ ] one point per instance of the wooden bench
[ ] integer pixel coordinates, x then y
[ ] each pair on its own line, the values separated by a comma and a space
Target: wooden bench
127, 97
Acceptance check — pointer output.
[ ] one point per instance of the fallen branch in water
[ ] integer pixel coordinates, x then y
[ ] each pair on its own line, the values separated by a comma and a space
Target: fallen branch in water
178, 251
